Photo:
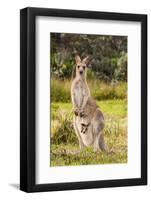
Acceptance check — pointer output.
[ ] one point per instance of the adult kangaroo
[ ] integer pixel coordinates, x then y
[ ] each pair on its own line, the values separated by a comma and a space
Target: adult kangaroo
88, 119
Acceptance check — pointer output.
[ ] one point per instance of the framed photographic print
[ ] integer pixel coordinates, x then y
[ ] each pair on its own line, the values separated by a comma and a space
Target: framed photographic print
83, 99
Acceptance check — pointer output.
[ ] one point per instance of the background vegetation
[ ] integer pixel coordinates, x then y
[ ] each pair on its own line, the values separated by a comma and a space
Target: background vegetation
108, 54
107, 80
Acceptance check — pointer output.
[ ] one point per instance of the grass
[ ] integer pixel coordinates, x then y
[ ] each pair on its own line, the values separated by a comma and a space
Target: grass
116, 108
64, 140
87, 157
60, 90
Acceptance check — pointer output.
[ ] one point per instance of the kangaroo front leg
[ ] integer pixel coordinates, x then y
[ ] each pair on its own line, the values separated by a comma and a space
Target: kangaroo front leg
75, 104
84, 101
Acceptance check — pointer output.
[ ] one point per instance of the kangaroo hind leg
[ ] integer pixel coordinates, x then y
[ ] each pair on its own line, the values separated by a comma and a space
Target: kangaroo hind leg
99, 143
102, 145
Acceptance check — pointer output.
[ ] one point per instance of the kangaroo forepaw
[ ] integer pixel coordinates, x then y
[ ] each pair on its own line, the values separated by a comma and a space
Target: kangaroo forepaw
82, 113
76, 111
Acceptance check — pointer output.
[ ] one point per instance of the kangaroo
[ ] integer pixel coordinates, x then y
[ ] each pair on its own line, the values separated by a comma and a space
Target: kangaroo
79, 89
88, 119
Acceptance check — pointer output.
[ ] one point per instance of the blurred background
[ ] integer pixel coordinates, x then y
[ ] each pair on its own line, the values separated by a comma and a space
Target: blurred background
108, 53
108, 64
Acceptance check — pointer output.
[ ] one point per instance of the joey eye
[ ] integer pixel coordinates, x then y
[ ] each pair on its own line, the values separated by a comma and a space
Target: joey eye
78, 66
83, 67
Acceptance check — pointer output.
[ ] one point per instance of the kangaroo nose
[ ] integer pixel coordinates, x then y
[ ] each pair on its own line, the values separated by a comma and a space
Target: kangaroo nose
81, 72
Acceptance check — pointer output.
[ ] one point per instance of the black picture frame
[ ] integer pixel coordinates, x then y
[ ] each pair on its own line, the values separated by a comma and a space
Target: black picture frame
28, 99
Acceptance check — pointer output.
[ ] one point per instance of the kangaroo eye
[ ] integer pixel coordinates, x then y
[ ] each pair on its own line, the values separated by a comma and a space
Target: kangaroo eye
83, 67
78, 66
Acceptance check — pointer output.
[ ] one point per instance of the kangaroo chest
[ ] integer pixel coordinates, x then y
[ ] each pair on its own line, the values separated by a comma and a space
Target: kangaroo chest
80, 92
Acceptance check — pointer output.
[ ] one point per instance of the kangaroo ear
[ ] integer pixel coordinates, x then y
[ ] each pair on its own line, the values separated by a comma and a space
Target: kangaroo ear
86, 60
77, 58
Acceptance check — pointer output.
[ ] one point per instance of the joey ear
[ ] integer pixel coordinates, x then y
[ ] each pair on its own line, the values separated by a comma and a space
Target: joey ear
86, 60
78, 59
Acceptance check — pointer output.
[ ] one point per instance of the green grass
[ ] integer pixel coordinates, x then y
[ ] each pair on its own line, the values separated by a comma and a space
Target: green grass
60, 90
87, 156
116, 108
64, 140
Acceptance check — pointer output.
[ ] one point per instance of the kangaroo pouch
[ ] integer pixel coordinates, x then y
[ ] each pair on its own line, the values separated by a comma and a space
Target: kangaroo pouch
87, 138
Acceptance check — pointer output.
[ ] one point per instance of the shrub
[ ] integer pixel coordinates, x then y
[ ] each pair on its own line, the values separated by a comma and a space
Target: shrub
107, 53
60, 90
104, 91
121, 90
64, 131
